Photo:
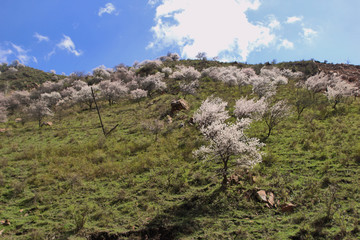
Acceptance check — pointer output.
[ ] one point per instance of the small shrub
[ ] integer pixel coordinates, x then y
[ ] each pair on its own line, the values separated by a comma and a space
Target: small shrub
18, 187
269, 159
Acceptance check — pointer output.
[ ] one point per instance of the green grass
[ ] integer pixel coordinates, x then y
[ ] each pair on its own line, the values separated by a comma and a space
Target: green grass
69, 182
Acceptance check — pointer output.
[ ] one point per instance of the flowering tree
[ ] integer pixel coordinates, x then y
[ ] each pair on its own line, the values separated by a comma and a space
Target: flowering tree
84, 96
153, 83
124, 74
275, 114
102, 72
186, 73
12, 70
170, 57
149, 67
174, 56
231, 75
138, 94
245, 108
318, 82
338, 91
226, 140
112, 91
38, 110
48, 87
263, 86
16, 64
17, 100
51, 98
274, 75
189, 88
167, 71
78, 85
291, 74
211, 110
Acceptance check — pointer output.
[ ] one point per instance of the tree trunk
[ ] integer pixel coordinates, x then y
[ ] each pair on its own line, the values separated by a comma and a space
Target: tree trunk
224, 173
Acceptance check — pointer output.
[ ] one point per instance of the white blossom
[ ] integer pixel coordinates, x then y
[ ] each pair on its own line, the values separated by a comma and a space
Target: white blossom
102, 72
245, 108
51, 98
38, 110
228, 140
231, 75
318, 82
262, 86
113, 91
153, 83
211, 110
185, 73
338, 90
189, 88
138, 94
12, 70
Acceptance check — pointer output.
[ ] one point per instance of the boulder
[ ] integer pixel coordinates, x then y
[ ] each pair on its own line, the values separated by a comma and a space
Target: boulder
47, 124
271, 199
179, 105
261, 196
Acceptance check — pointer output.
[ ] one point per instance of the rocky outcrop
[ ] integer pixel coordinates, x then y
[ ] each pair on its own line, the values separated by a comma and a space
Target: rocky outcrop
179, 105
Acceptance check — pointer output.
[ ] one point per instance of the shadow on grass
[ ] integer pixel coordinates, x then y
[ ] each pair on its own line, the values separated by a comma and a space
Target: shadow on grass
176, 221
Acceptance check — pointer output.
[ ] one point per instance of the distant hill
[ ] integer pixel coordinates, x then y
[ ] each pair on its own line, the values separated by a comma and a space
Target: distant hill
23, 77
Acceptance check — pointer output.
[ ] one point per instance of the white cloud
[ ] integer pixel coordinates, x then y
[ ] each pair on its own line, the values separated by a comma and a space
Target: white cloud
21, 54
274, 23
19, 49
109, 8
40, 37
48, 56
309, 34
294, 19
67, 44
4, 54
13, 51
153, 2
219, 28
286, 44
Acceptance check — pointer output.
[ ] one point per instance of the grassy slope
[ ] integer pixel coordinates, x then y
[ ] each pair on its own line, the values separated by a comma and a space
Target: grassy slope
130, 185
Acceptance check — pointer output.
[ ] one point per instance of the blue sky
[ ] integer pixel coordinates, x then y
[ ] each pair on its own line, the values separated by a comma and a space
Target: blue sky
80, 35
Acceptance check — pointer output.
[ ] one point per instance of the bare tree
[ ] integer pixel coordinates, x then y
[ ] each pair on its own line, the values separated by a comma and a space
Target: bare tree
275, 114
201, 56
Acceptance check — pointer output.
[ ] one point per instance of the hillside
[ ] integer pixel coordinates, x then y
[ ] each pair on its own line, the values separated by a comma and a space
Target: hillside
24, 77
143, 180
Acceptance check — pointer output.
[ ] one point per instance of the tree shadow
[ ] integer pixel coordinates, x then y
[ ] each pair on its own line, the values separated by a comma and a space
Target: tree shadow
175, 221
